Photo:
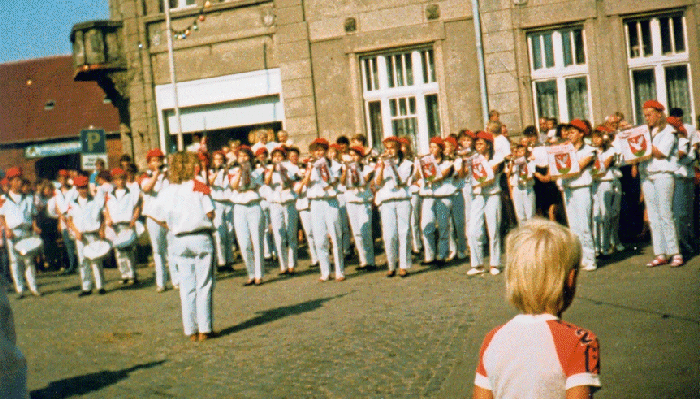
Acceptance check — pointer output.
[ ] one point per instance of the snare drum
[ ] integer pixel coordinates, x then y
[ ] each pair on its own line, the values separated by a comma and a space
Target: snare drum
124, 239
29, 246
96, 250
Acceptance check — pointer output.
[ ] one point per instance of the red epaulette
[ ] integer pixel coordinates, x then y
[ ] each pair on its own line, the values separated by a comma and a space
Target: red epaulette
201, 187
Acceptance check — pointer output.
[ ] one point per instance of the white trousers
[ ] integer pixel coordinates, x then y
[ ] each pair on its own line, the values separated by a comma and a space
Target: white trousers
683, 200
360, 217
435, 223
248, 220
193, 254
658, 198
285, 222
416, 239
22, 267
87, 265
603, 197
268, 247
344, 224
305, 216
223, 247
396, 232
172, 266
485, 208
524, 203
326, 222
578, 202
126, 257
458, 236
159, 245
468, 196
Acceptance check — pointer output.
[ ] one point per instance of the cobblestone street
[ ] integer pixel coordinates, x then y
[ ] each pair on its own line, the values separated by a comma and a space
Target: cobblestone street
367, 337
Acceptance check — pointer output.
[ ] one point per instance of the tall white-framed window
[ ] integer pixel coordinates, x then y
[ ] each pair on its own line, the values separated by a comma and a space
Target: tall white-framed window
400, 93
659, 67
559, 72
175, 4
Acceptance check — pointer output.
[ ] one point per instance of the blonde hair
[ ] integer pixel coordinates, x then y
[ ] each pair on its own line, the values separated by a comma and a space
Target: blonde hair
540, 255
494, 127
182, 166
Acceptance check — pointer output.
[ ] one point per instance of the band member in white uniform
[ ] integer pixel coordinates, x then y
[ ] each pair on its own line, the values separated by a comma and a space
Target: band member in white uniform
358, 202
248, 216
122, 210
221, 196
393, 179
304, 209
414, 220
18, 217
321, 181
280, 178
187, 211
684, 192
64, 195
86, 221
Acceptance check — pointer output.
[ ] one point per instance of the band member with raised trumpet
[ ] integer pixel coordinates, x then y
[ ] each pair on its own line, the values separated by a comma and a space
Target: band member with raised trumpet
186, 209
261, 162
122, 210
433, 170
603, 189
485, 207
18, 216
304, 209
280, 177
658, 186
153, 182
413, 188
337, 155
466, 149
578, 195
458, 237
521, 181
321, 181
393, 180
248, 216
221, 196
357, 178
86, 221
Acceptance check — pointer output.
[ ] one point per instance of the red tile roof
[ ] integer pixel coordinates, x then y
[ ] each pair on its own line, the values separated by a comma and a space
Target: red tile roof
27, 86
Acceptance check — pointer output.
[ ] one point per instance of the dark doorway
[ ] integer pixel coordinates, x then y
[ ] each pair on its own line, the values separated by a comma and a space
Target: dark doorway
219, 138
47, 168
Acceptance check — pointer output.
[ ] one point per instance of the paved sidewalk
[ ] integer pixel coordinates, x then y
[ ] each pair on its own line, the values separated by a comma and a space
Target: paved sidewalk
367, 337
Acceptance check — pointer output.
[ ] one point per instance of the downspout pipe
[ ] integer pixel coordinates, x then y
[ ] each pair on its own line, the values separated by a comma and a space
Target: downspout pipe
480, 61
173, 78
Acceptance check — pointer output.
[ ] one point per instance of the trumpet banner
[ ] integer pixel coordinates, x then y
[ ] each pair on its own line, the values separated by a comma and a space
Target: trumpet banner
635, 144
563, 161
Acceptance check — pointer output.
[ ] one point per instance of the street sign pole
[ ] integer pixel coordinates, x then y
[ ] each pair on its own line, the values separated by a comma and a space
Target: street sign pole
173, 78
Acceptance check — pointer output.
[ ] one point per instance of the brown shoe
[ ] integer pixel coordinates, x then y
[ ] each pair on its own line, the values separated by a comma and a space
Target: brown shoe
290, 271
403, 272
206, 336
194, 338
341, 278
391, 273
249, 282
258, 281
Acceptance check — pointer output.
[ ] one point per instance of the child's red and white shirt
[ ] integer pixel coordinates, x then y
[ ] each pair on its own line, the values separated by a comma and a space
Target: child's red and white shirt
537, 356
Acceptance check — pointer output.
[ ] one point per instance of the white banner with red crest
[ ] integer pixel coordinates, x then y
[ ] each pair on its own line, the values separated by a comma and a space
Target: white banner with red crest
429, 168
482, 172
635, 144
563, 162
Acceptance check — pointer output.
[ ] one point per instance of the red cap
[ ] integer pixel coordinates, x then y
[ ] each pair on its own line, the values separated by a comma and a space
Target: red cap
484, 135
203, 157
247, 149
319, 142
336, 146
80, 181
260, 151
452, 141
359, 150
13, 172
116, 172
391, 139
404, 141
156, 152
63, 173
604, 129
677, 123
280, 149
438, 141
654, 104
580, 125
4, 181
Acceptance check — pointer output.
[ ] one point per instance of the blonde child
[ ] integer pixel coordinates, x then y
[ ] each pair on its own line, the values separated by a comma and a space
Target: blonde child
536, 354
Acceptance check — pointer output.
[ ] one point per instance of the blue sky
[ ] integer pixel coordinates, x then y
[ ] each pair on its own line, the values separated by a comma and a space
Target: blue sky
40, 28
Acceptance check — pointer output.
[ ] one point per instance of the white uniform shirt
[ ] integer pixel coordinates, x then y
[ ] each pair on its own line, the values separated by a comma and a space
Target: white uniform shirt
389, 187
501, 147
121, 204
666, 142
149, 198
686, 144
18, 210
603, 156
318, 188
437, 189
86, 213
494, 187
184, 207
221, 188
585, 177
524, 179
250, 193
280, 193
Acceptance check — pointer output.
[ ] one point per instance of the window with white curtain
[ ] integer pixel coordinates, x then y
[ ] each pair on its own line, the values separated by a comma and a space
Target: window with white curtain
559, 72
400, 92
658, 63
181, 3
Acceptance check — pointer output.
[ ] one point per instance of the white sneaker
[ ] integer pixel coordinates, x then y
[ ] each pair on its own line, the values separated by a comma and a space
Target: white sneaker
494, 271
590, 267
476, 270
451, 256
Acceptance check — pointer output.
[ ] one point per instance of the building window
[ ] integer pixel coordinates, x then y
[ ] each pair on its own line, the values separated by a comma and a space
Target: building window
400, 92
559, 71
658, 63
181, 3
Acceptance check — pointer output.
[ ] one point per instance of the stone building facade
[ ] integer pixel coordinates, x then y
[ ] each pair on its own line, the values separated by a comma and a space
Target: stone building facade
340, 67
